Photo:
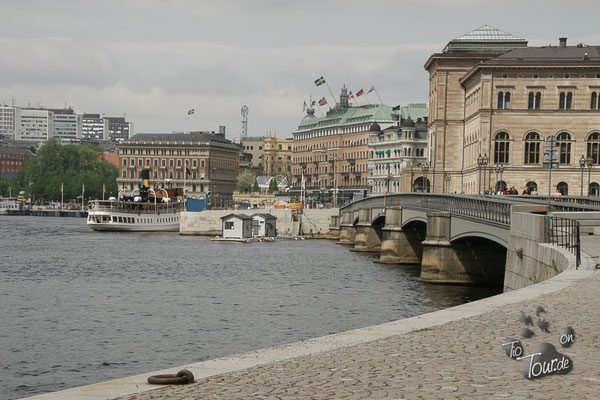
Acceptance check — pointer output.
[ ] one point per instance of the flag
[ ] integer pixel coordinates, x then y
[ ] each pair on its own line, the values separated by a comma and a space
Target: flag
83, 187
397, 108
312, 103
303, 184
370, 90
320, 81
187, 170
304, 108
103, 188
62, 188
322, 102
190, 112
350, 96
360, 93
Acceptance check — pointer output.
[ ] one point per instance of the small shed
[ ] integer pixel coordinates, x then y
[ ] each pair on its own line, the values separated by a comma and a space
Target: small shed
264, 225
237, 226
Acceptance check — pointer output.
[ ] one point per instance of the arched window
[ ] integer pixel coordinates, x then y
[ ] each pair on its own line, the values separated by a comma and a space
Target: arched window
594, 189
501, 148
569, 100
538, 100
507, 100
565, 100
593, 147
500, 100
594, 101
532, 187
564, 146
563, 188
532, 148
501, 186
531, 100
561, 101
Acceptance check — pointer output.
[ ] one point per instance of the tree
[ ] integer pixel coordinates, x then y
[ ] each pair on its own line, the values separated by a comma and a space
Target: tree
255, 187
245, 181
68, 165
273, 185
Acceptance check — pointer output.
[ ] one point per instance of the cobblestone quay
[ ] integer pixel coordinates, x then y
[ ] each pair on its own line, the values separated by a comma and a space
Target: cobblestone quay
461, 359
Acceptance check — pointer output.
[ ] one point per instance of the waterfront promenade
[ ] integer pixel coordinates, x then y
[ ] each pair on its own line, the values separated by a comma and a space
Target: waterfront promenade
453, 353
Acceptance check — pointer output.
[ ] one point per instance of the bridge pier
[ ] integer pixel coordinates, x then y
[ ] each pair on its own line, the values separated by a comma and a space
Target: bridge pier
398, 246
334, 227
366, 239
459, 263
347, 229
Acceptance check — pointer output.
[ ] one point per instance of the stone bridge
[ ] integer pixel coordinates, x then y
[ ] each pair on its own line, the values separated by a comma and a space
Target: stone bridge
455, 238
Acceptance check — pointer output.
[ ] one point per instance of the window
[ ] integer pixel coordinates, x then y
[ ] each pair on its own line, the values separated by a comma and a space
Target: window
594, 101
532, 148
593, 147
563, 140
563, 188
535, 100
124, 162
501, 148
170, 163
503, 100
594, 189
565, 100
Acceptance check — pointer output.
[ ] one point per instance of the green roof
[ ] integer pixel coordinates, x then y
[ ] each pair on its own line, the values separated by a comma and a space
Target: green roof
414, 111
485, 39
348, 116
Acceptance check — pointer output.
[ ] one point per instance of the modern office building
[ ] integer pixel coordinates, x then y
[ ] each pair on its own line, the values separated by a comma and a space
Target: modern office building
10, 125
66, 125
93, 127
36, 125
118, 129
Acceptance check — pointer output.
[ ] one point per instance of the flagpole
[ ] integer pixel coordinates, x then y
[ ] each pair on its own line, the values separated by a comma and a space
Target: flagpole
62, 196
103, 190
82, 195
334, 99
375, 90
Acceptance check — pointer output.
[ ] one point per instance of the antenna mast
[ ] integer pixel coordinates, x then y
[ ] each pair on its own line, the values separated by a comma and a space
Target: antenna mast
244, 121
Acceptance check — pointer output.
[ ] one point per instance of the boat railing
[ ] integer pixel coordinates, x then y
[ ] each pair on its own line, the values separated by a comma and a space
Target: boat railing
135, 208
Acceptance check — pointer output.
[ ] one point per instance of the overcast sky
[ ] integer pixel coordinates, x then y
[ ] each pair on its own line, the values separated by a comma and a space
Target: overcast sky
154, 60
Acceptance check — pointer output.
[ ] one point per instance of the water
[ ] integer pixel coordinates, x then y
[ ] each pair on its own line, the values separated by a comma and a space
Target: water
80, 307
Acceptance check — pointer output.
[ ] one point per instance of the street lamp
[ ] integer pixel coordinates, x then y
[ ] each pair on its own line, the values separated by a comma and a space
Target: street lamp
447, 182
479, 165
499, 171
425, 168
484, 163
590, 162
582, 162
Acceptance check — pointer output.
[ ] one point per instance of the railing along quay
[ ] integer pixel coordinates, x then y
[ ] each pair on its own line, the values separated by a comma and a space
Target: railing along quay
564, 232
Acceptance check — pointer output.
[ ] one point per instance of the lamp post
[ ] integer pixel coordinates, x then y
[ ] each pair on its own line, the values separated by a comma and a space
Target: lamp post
582, 162
479, 165
484, 163
590, 162
425, 168
499, 171
447, 183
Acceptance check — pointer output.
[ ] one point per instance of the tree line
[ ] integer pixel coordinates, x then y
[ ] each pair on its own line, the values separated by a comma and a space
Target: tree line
69, 166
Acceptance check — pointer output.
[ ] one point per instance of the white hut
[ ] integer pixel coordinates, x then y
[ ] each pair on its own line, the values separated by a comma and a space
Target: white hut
264, 225
237, 226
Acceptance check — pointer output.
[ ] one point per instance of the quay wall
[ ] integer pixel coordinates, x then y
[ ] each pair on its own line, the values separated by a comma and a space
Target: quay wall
208, 223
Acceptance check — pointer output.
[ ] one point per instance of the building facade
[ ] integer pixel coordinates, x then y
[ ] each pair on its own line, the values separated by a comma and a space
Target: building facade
93, 127
330, 153
66, 125
117, 129
277, 157
254, 146
397, 156
211, 159
493, 112
12, 159
10, 122
36, 125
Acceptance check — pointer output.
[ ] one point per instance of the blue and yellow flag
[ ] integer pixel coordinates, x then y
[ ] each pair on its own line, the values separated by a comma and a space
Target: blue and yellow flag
190, 112
320, 81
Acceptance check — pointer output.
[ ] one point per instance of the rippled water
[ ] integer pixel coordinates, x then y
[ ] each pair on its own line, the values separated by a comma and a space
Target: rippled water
79, 306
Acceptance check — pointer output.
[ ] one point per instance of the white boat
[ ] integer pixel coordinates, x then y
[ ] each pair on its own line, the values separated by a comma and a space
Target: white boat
8, 204
150, 210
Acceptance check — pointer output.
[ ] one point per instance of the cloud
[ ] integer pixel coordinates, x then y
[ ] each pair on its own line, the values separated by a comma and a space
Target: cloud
56, 61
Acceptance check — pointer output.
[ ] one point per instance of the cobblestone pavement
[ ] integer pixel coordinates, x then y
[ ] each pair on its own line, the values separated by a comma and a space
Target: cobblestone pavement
458, 360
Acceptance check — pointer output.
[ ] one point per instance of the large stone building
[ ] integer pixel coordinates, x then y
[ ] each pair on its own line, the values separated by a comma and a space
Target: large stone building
331, 152
494, 99
254, 146
12, 160
398, 154
211, 159
277, 157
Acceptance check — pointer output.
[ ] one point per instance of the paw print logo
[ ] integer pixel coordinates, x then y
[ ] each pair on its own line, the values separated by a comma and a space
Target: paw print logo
544, 359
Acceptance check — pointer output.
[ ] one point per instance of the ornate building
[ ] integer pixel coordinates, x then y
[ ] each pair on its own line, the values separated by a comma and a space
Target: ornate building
277, 157
397, 156
331, 152
495, 103
211, 159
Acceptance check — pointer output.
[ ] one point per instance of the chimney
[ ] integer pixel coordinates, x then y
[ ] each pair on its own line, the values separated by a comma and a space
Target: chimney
562, 42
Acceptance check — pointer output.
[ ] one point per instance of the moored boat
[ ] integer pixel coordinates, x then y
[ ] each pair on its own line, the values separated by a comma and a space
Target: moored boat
149, 210
8, 204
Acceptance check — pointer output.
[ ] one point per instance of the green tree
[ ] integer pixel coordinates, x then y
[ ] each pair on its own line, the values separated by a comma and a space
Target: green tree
255, 187
273, 185
245, 181
69, 165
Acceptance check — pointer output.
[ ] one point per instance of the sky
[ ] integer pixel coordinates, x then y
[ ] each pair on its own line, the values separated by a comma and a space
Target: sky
154, 60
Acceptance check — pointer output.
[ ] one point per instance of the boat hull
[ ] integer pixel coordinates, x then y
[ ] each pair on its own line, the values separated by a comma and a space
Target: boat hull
114, 221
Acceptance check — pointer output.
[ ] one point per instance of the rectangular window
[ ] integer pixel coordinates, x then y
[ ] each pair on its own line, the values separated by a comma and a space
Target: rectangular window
229, 225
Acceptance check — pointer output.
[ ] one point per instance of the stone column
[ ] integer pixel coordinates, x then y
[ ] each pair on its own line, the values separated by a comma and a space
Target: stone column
397, 246
347, 229
334, 227
366, 239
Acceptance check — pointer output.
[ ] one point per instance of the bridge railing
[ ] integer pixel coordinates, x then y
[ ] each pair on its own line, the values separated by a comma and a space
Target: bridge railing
490, 209
564, 232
